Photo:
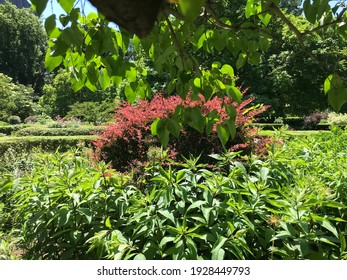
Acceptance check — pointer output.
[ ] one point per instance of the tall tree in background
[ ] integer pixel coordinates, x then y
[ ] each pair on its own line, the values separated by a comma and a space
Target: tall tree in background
287, 78
23, 45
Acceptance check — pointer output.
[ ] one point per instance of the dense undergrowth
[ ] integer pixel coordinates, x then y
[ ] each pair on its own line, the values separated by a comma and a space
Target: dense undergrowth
290, 204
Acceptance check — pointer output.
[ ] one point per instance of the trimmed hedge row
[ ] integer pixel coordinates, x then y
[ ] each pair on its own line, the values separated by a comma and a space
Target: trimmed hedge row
26, 144
45, 131
272, 126
8, 129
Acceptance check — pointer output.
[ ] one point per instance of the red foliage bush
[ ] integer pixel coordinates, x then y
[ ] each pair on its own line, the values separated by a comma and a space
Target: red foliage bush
126, 141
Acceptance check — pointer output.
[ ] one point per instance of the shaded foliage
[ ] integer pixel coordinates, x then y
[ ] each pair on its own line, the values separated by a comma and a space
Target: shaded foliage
23, 46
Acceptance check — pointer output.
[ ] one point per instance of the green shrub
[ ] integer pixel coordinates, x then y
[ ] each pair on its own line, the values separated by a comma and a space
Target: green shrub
56, 214
4, 123
14, 120
60, 122
311, 121
337, 119
31, 119
15, 149
9, 129
93, 112
15, 99
294, 122
8, 250
44, 131
289, 205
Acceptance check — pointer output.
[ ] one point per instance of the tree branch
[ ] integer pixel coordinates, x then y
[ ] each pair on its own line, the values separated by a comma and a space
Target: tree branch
175, 40
277, 12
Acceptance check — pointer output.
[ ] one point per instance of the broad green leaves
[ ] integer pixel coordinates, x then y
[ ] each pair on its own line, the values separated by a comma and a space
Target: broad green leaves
337, 92
254, 209
98, 56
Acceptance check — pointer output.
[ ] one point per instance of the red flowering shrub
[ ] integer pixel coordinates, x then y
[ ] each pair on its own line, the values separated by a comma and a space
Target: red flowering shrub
125, 142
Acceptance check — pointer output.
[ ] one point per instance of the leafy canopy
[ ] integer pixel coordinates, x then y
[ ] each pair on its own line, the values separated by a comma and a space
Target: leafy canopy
23, 45
93, 51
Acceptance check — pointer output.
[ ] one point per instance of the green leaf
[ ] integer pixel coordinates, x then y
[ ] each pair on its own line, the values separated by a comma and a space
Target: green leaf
218, 254
322, 8
264, 172
108, 223
52, 62
163, 135
168, 215
198, 83
241, 61
137, 42
217, 251
195, 204
75, 236
191, 8
231, 111
39, 6
223, 133
87, 213
197, 120
63, 217
234, 93
154, 126
50, 24
249, 8
166, 240
174, 127
140, 257
254, 59
216, 65
192, 248
67, 5
230, 123
72, 36
337, 92
227, 70
131, 74
104, 79
92, 73
220, 40
333, 82
334, 204
264, 44
343, 242
130, 92
171, 86
327, 225
265, 18
310, 11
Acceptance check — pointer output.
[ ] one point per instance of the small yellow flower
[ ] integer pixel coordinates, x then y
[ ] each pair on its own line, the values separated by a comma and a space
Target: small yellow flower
273, 220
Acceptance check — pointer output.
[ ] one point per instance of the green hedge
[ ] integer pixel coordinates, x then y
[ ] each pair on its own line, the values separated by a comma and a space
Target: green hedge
26, 144
273, 126
268, 126
45, 131
8, 129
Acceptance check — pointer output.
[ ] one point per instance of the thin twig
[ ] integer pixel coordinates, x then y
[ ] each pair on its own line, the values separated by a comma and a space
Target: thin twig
182, 53
276, 11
